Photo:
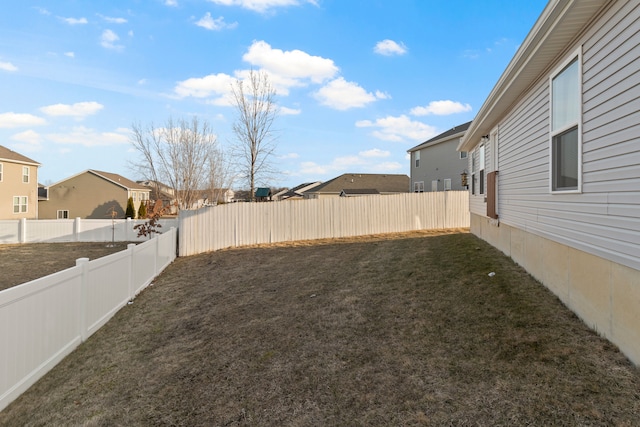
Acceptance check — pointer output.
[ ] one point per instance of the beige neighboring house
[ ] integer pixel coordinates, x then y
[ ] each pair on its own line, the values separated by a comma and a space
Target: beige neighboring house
18, 185
92, 194
360, 183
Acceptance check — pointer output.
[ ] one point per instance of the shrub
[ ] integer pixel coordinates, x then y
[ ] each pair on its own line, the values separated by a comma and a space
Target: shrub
131, 211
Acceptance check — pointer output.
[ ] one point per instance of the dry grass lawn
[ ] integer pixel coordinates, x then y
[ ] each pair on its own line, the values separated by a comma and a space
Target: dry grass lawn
399, 330
21, 263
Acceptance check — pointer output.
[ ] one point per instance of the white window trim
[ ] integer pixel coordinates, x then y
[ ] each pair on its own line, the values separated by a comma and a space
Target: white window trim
576, 54
447, 184
1, 172
416, 159
464, 154
62, 210
418, 187
26, 172
434, 183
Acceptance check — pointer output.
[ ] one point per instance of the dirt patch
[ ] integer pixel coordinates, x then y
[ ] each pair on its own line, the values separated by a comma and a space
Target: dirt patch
21, 263
396, 330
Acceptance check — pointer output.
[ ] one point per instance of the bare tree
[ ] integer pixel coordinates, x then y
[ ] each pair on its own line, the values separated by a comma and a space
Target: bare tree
179, 155
254, 99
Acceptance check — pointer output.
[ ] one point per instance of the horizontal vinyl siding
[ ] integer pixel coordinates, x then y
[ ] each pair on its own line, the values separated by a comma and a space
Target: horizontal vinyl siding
524, 159
605, 218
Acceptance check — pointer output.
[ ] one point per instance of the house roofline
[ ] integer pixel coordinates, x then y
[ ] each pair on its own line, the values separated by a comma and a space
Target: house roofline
560, 23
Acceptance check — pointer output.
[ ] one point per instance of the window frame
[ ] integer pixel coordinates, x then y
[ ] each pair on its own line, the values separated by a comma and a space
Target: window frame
22, 205
416, 158
447, 184
63, 216
575, 56
464, 154
417, 185
434, 183
26, 174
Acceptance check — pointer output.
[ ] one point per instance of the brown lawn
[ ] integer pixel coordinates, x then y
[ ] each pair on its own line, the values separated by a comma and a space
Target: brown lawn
397, 330
21, 263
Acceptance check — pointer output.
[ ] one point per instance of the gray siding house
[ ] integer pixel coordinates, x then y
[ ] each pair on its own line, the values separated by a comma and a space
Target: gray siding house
436, 165
555, 162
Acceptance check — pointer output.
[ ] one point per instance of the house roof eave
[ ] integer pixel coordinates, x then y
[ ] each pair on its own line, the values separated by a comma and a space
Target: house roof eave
559, 24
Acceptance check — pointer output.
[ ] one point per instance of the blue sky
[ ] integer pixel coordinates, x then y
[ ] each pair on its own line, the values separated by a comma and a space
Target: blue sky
359, 81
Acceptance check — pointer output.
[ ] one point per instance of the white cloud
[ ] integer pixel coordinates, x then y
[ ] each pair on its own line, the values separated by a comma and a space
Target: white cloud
204, 87
349, 163
389, 47
70, 54
78, 110
214, 24
28, 140
172, 3
342, 95
42, 10
399, 129
375, 152
81, 135
14, 120
75, 21
289, 156
289, 111
108, 40
8, 66
111, 20
293, 64
441, 108
261, 6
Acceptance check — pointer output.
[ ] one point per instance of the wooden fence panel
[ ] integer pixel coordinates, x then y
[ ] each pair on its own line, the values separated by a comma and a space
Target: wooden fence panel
242, 224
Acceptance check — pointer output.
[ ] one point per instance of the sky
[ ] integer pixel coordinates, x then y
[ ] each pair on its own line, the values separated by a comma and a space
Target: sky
358, 82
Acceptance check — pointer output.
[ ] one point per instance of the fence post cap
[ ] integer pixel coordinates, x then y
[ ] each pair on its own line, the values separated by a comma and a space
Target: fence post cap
80, 261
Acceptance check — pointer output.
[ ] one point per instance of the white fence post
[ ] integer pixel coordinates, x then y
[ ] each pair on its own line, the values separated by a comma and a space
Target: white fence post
23, 230
132, 291
76, 229
83, 263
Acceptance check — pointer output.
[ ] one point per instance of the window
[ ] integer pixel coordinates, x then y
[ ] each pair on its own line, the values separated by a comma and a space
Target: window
25, 174
0, 172
447, 184
416, 156
63, 215
434, 185
463, 154
133, 195
20, 204
418, 187
565, 142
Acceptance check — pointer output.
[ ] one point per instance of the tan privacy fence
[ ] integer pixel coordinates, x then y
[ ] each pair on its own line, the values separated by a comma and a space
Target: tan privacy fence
241, 224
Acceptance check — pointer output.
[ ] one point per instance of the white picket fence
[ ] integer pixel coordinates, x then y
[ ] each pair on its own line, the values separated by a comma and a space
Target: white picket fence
44, 320
240, 224
74, 230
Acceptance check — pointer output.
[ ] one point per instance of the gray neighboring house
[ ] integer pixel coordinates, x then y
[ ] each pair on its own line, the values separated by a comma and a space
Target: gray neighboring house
555, 159
351, 183
295, 193
436, 165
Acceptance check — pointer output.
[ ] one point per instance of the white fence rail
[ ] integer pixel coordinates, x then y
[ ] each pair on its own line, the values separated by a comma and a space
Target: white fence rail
74, 230
242, 224
44, 320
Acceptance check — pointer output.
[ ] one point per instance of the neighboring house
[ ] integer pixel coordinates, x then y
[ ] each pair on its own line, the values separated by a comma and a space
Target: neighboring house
436, 165
295, 193
263, 194
382, 183
18, 185
92, 194
221, 195
555, 162
164, 193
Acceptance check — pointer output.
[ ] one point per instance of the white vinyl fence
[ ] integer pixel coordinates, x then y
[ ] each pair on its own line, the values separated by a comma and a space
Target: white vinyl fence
74, 230
42, 321
240, 224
